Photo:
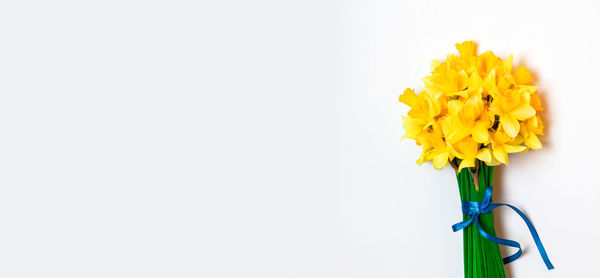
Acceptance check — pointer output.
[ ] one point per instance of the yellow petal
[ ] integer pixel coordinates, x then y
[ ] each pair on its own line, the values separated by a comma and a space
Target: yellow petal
413, 127
480, 132
454, 106
465, 163
409, 97
523, 112
519, 139
507, 65
514, 149
475, 80
503, 83
424, 154
440, 161
536, 103
489, 83
453, 151
458, 134
485, 155
533, 142
522, 76
500, 155
510, 124
539, 128
494, 162
488, 61
434, 106
462, 80
434, 65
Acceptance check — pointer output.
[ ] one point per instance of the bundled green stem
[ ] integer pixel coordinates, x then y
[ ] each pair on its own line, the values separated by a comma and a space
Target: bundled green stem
482, 257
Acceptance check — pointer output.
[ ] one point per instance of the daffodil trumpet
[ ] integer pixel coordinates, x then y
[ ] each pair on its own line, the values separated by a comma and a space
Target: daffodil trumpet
474, 110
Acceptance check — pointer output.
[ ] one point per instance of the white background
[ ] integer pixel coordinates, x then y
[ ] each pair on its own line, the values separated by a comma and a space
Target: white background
262, 139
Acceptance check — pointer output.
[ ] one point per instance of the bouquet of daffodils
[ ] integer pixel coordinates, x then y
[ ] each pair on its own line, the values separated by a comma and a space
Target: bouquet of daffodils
473, 111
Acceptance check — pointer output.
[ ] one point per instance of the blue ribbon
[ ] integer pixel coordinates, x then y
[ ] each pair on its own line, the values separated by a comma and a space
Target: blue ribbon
486, 206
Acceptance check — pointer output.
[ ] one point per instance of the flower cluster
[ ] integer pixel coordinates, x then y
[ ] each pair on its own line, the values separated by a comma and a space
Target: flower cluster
473, 107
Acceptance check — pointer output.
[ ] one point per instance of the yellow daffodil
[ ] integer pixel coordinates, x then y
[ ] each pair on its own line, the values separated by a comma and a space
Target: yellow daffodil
512, 106
529, 131
436, 149
447, 82
468, 151
467, 118
468, 55
421, 116
502, 145
473, 107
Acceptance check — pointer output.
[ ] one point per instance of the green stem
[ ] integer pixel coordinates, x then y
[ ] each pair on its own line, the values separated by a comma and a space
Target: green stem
481, 257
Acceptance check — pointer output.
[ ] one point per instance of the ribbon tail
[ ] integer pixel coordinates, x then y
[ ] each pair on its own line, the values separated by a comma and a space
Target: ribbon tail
486, 206
461, 225
534, 234
501, 241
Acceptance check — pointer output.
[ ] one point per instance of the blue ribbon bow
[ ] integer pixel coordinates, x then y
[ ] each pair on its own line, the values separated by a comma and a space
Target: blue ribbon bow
486, 206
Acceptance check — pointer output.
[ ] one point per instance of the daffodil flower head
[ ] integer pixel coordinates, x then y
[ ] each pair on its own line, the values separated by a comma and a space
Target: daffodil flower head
473, 108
